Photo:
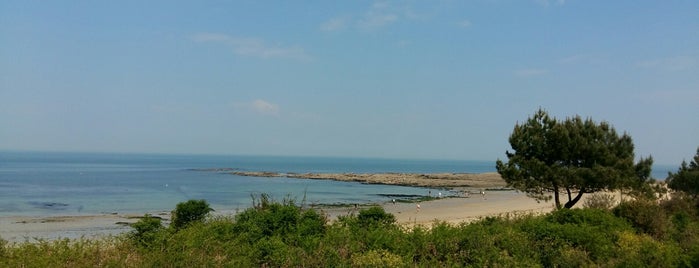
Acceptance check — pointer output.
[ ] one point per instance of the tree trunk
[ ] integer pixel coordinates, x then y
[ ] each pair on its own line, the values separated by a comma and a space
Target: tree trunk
571, 203
555, 196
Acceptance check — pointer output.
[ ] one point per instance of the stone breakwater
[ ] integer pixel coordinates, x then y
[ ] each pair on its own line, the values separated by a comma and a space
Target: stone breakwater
447, 180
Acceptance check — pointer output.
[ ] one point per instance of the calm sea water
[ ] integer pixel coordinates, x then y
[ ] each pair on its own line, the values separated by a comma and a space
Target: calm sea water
85, 183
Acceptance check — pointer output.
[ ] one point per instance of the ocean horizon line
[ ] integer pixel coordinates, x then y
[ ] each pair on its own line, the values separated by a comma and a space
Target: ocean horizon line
182, 154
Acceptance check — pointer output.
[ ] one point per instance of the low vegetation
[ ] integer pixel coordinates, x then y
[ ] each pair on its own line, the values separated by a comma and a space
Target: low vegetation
282, 234
641, 232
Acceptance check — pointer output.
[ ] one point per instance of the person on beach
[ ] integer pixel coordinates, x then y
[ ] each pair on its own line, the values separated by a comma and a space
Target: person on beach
483, 194
394, 201
418, 207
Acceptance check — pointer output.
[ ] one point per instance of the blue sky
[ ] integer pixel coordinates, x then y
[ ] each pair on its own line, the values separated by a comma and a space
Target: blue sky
395, 79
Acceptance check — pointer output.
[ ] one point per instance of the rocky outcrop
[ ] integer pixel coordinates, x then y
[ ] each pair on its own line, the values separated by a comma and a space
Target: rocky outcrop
449, 180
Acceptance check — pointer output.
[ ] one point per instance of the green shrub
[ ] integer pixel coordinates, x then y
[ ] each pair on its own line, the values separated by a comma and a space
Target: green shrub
680, 203
569, 236
375, 216
377, 258
495, 242
268, 229
645, 216
593, 217
188, 212
3, 245
271, 251
271, 219
640, 250
311, 223
372, 228
146, 230
602, 201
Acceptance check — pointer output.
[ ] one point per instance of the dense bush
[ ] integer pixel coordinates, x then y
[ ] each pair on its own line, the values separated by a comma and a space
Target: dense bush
377, 258
146, 230
600, 201
646, 216
575, 237
188, 212
375, 217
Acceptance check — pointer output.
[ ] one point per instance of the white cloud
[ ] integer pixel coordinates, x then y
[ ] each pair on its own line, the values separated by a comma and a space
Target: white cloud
375, 19
671, 64
530, 72
259, 107
579, 58
464, 24
335, 24
379, 15
210, 37
252, 47
403, 43
547, 3
264, 107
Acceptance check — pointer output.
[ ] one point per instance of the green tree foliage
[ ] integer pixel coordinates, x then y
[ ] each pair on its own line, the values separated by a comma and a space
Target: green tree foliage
573, 157
687, 178
188, 212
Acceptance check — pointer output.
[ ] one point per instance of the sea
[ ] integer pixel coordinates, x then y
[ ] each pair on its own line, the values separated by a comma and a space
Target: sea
53, 183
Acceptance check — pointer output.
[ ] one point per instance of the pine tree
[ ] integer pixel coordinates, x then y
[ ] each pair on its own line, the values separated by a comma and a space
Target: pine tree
687, 177
572, 157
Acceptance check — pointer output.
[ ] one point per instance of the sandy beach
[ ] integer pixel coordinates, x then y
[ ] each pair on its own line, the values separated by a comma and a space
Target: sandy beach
456, 210
453, 209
